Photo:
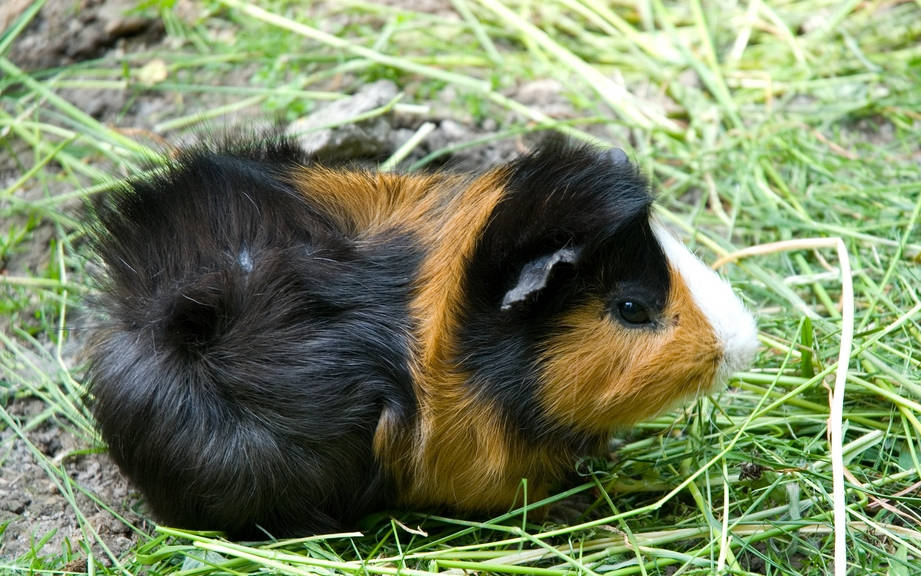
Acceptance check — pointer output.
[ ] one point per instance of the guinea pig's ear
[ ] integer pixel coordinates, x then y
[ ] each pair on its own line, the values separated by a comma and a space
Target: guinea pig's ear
560, 204
536, 274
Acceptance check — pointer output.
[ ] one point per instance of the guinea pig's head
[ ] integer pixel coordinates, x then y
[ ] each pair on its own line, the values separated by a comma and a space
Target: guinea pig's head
664, 327
626, 320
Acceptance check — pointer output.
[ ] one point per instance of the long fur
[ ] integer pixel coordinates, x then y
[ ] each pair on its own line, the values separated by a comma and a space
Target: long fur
286, 345
248, 347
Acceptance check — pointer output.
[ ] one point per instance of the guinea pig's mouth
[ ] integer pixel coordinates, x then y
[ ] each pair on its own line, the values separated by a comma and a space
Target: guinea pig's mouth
739, 350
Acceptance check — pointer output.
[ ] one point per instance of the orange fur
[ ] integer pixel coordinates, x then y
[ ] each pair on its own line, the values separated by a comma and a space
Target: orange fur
368, 203
446, 213
459, 449
599, 374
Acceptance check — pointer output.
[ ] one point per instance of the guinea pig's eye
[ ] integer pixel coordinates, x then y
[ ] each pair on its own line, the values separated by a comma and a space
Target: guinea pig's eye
633, 312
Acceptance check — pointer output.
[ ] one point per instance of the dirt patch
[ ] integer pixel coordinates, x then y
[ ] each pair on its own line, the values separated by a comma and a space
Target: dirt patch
32, 503
65, 32
37, 515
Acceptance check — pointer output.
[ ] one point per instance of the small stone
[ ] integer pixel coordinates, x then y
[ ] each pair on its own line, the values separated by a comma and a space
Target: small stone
119, 21
346, 138
14, 502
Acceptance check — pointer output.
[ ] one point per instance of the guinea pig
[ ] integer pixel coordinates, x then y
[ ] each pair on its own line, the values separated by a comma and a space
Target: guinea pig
286, 345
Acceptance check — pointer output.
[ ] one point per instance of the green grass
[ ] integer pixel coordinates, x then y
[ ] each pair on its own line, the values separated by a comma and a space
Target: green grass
760, 122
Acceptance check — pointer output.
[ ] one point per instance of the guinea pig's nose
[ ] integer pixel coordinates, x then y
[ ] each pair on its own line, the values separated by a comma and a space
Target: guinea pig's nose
732, 324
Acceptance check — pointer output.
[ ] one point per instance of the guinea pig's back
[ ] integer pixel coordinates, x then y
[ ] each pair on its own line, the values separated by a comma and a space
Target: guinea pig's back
247, 349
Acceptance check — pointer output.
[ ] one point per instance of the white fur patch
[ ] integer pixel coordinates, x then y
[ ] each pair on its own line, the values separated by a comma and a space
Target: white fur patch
732, 324
245, 260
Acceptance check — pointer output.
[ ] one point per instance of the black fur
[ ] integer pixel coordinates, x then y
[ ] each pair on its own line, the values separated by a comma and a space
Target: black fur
249, 349
250, 346
559, 196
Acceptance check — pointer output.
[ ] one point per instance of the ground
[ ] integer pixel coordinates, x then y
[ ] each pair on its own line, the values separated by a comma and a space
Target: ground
37, 515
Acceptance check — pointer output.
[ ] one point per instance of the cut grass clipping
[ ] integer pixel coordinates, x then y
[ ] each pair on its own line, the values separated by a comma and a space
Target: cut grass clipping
789, 130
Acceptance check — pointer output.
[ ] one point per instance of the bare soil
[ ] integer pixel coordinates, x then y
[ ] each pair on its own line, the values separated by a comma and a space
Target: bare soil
38, 517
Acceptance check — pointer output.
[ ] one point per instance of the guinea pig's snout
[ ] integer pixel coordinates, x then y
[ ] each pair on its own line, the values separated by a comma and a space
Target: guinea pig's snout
732, 324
